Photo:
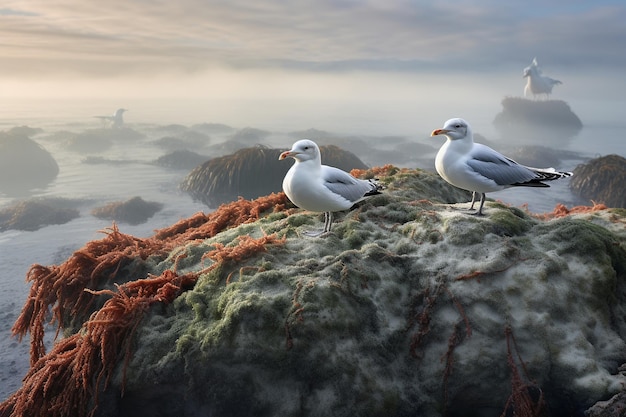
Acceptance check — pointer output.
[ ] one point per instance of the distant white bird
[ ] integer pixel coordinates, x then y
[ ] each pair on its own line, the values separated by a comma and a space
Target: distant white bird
480, 169
537, 84
116, 121
321, 188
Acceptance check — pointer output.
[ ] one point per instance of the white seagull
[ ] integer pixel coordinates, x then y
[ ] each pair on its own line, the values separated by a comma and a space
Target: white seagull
480, 169
537, 83
321, 188
116, 120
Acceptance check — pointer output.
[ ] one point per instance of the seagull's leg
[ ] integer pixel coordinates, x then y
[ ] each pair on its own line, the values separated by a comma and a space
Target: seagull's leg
328, 219
482, 202
480, 208
473, 200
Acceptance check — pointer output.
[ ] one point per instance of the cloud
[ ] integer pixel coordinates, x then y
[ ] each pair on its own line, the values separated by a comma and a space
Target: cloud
14, 12
113, 38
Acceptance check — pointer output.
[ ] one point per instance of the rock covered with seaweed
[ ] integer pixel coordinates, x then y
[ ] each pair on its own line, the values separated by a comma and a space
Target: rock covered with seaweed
410, 307
601, 180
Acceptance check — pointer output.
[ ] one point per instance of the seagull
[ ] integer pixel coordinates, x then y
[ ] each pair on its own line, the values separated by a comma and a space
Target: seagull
537, 83
117, 120
480, 169
321, 188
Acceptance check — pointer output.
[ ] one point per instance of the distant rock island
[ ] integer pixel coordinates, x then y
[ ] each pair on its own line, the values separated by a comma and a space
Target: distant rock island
35, 213
24, 164
133, 211
536, 121
409, 307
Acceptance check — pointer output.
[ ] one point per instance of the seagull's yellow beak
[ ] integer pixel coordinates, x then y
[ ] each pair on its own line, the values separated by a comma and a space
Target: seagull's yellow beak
439, 132
287, 154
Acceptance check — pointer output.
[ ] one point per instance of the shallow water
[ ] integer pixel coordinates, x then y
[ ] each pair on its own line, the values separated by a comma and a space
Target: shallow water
131, 174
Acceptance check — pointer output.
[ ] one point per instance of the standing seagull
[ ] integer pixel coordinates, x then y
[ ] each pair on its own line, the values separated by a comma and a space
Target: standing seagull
478, 168
537, 83
316, 187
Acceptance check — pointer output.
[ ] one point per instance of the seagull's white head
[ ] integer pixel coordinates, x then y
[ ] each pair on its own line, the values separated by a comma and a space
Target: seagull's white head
302, 150
533, 67
454, 129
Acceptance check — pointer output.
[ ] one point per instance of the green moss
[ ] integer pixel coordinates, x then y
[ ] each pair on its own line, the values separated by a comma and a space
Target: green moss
236, 307
297, 220
273, 217
508, 222
355, 236
397, 213
266, 265
404, 247
464, 230
583, 238
199, 306
619, 212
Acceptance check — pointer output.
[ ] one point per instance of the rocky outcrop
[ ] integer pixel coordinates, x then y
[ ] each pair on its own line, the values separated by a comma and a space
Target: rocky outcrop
133, 211
182, 159
33, 214
410, 307
544, 122
24, 164
601, 180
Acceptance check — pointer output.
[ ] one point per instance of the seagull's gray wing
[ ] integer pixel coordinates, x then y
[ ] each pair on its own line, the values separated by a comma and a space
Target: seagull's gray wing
552, 81
504, 171
345, 185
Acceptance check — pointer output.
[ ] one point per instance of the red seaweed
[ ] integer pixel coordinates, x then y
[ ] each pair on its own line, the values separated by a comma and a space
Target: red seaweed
67, 380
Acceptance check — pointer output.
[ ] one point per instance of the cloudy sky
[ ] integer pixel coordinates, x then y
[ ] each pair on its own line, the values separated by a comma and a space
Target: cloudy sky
363, 48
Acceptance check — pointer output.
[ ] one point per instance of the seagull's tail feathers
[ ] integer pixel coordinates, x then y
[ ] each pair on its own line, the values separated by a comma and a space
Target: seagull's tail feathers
549, 174
375, 187
544, 174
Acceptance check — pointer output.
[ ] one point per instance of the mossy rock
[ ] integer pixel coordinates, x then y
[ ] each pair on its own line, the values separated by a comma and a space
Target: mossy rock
329, 326
410, 306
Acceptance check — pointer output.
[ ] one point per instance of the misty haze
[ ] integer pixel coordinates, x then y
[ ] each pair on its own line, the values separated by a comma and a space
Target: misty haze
211, 95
